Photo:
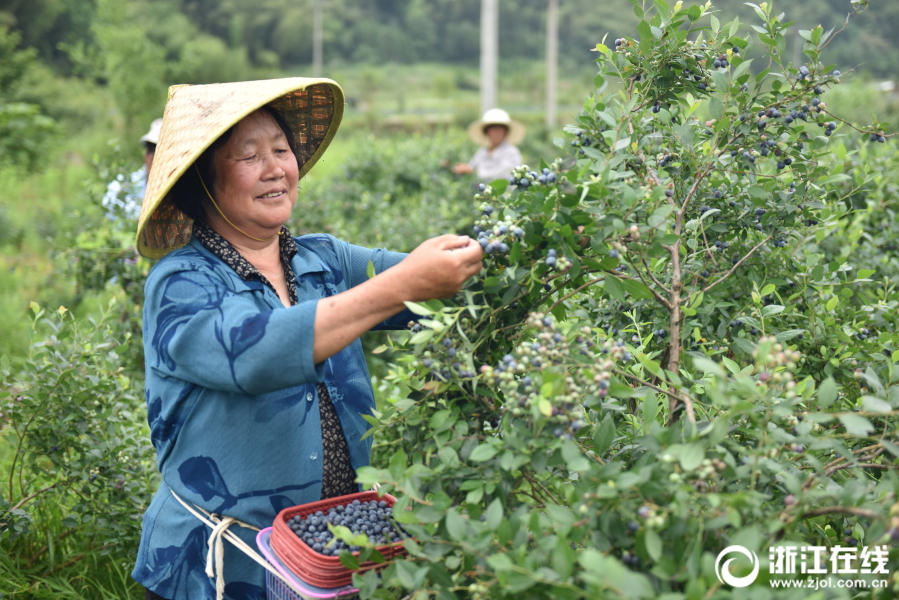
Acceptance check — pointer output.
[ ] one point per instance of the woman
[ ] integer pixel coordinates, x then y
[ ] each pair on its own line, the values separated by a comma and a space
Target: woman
256, 380
498, 134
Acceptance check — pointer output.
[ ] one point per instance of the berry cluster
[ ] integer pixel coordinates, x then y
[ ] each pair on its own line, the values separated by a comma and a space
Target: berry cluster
372, 518
450, 366
548, 347
495, 236
523, 177
650, 518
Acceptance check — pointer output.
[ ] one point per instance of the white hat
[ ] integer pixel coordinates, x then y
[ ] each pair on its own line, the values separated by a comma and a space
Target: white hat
152, 136
496, 116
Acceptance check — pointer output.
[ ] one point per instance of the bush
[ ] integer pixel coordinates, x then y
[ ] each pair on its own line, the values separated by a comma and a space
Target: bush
78, 468
657, 362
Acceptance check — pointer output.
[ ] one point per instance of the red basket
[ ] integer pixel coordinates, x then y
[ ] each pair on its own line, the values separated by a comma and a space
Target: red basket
315, 568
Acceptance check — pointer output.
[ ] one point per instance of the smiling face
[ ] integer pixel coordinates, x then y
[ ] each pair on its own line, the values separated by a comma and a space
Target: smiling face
256, 179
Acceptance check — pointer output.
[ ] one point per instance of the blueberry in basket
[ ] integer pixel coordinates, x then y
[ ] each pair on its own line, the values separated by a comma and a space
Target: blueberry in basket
373, 518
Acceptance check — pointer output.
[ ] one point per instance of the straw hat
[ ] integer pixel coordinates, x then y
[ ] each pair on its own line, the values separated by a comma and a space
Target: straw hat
152, 136
496, 116
197, 115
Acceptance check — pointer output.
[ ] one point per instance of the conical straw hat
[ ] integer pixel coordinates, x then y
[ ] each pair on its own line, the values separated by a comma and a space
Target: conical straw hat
197, 115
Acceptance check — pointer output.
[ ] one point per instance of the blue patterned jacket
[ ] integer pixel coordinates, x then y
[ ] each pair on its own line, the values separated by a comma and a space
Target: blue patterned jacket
232, 405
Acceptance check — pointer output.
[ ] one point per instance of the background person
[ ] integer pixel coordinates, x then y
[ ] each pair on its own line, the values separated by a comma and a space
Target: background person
124, 200
498, 135
256, 381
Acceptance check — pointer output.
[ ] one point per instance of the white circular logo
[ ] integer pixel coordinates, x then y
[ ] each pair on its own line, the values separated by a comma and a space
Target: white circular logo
723, 571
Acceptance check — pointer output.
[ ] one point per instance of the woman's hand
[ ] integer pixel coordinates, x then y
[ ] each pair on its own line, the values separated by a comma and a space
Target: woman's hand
436, 269
461, 169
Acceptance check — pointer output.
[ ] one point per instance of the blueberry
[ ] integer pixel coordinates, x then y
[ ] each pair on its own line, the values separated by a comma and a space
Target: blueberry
614, 253
524, 182
481, 187
818, 90
816, 101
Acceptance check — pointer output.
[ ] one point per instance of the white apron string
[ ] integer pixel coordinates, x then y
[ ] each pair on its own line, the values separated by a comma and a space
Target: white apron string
216, 552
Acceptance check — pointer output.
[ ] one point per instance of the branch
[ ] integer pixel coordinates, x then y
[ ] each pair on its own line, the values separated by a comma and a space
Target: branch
739, 262
652, 275
842, 510
586, 285
24, 500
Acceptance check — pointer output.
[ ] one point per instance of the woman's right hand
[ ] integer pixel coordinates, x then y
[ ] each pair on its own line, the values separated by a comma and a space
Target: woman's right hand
438, 267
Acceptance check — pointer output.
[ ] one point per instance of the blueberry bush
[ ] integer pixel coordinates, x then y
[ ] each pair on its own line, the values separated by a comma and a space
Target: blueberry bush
684, 338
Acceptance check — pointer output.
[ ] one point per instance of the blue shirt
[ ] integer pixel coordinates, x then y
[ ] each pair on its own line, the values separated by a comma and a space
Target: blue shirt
232, 405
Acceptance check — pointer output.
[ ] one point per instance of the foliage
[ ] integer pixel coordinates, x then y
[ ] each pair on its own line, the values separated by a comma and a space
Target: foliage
392, 194
77, 463
658, 362
24, 130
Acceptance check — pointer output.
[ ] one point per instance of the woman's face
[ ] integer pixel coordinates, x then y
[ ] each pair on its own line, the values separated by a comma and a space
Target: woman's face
256, 176
495, 134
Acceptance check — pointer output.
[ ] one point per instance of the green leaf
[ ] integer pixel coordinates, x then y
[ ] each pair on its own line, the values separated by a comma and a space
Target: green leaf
419, 309
614, 286
659, 216
483, 452
621, 144
499, 185
500, 562
653, 544
856, 425
637, 289
716, 108
348, 560
644, 30
689, 455
771, 310
827, 392
742, 68
456, 526
864, 273
604, 435
875, 405
494, 515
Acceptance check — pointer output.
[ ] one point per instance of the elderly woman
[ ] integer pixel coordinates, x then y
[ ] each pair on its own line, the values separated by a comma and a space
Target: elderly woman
256, 380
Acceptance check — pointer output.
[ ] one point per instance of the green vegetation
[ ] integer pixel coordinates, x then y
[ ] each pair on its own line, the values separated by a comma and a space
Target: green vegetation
681, 397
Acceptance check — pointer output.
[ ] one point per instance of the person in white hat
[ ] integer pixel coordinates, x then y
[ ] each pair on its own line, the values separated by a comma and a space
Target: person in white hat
497, 134
123, 199
256, 382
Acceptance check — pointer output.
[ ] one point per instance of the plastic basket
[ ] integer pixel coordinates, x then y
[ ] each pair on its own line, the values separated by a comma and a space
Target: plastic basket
276, 589
315, 568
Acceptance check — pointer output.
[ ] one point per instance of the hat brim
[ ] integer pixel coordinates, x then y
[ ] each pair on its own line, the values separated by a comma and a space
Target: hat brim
514, 137
197, 115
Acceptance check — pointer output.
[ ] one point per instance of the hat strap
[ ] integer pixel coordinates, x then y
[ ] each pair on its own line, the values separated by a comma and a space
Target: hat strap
203, 183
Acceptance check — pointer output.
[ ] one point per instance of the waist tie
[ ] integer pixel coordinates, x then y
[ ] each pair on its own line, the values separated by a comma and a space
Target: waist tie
220, 525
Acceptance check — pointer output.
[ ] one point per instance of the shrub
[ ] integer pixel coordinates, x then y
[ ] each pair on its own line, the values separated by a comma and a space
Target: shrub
77, 463
650, 369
